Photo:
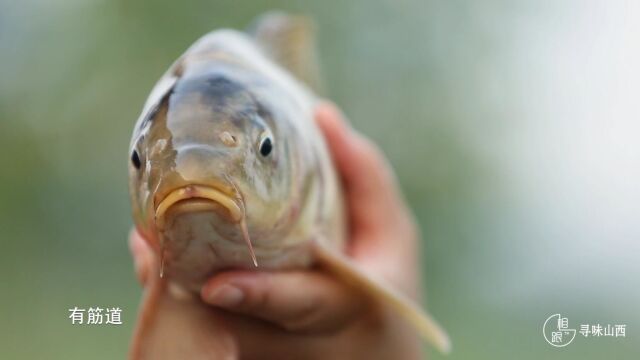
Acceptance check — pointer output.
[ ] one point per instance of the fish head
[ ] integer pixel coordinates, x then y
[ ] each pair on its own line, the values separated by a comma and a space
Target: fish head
214, 149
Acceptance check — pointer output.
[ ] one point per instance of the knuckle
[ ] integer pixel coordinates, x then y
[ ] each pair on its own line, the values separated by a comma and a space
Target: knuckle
260, 299
255, 292
305, 318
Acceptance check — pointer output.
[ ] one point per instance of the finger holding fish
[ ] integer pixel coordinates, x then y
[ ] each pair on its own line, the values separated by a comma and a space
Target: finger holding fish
298, 301
383, 234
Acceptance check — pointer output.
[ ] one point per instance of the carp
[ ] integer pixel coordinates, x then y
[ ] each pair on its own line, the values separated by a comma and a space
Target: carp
228, 170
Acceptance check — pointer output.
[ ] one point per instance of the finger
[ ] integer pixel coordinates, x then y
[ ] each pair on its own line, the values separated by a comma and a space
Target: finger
142, 256
383, 235
300, 301
369, 185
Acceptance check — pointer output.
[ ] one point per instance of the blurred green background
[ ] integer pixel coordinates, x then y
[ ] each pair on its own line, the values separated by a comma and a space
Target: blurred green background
513, 127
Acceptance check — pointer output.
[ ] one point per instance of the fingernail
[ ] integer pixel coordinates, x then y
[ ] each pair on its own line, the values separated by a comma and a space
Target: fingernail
226, 296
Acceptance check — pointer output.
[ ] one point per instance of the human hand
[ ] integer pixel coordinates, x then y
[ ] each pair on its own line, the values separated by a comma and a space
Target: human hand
310, 313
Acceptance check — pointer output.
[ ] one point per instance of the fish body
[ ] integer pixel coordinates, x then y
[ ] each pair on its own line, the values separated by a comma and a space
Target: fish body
228, 170
203, 125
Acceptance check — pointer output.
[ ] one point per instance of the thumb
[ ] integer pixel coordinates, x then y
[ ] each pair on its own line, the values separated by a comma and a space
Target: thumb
300, 301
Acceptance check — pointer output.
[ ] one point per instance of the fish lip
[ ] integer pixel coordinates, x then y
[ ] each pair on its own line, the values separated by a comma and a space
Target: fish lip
198, 196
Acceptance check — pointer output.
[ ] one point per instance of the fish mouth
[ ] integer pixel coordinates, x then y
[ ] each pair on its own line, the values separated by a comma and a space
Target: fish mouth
196, 198
228, 203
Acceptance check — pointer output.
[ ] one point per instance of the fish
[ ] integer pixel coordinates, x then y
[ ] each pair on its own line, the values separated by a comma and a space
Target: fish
228, 170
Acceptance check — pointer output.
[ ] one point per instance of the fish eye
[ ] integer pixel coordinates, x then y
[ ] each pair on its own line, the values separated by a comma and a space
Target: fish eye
135, 159
266, 146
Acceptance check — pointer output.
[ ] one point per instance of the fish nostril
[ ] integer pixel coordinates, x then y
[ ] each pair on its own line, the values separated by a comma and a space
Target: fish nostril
228, 139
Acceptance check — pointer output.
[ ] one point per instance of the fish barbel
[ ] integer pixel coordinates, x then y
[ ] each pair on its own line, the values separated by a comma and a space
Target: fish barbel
229, 170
